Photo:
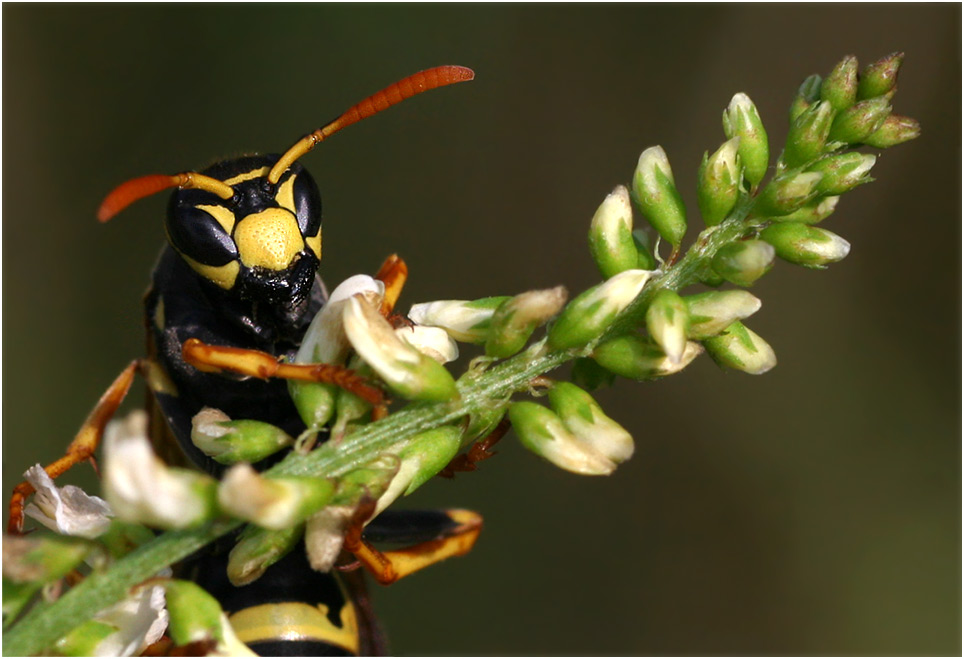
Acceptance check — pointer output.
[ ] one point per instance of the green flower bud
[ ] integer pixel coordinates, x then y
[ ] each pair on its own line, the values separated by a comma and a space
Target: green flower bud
854, 125
741, 119
583, 417
742, 349
880, 78
808, 135
542, 431
667, 320
349, 408
742, 262
807, 95
843, 172
805, 245
425, 454
86, 639
429, 452
589, 375
657, 196
632, 357
611, 234
404, 369
272, 503
787, 193
197, 617
483, 422
258, 549
29, 562
315, 401
719, 179
466, 321
840, 87
713, 311
518, 317
811, 213
645, 250
591, 312
195, 614
243, 440
895, 130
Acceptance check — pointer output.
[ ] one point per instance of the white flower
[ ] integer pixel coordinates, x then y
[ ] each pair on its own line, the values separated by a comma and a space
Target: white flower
141, 488
68, 510
272, 503
464, 320
433, 342
406, 370
140, 621
325, 340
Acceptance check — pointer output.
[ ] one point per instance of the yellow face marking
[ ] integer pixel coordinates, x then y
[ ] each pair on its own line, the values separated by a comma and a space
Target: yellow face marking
222, 275
223, 216
314, 242
269, 239
296, 621
247, 176
286, 194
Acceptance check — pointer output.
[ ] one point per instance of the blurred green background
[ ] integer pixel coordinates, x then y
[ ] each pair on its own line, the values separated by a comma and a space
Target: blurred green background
814, 510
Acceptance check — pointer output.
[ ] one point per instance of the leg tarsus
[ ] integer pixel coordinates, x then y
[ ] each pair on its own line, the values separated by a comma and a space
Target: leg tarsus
479, 451
83, 445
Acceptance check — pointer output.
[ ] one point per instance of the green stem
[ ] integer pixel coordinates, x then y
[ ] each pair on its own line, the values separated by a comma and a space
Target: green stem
41, 628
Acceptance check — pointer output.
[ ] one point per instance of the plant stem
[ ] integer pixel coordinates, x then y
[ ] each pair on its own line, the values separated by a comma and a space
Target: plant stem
41, 628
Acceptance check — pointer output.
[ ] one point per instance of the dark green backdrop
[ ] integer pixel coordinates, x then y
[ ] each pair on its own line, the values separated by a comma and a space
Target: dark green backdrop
814, 510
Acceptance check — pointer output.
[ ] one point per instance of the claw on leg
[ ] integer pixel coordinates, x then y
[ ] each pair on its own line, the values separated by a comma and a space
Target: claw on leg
82, 447
479, 451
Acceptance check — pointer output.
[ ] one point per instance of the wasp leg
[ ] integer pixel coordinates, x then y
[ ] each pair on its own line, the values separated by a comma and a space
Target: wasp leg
393, 274
440, 534
82, 447
479, 451
254, 363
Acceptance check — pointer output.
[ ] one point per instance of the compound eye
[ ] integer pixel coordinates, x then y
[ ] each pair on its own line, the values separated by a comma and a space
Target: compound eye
203, 233
299, 194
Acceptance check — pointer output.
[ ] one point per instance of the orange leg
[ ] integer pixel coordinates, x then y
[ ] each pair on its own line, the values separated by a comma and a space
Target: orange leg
480, 450
254, 363
390, 566
81, 448
393, 274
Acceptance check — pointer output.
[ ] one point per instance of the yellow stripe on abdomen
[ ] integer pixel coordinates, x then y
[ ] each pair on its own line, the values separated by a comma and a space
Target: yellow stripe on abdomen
296, 621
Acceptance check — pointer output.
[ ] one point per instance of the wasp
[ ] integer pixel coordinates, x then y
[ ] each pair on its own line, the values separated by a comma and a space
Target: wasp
230, 298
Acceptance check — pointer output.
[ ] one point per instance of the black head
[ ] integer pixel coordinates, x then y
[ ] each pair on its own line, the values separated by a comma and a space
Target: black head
262, 245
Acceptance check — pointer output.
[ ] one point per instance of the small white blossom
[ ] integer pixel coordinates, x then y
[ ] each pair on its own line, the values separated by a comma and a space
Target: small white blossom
141, 488
140, 620
325, 340
464, 320
433, 342
404, 369
68, 510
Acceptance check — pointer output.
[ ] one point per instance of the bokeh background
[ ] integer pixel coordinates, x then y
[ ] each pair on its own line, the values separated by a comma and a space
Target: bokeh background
814, 510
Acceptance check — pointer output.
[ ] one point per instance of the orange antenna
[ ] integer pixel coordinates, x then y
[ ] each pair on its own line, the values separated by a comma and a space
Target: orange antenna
127, 193
414, 84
